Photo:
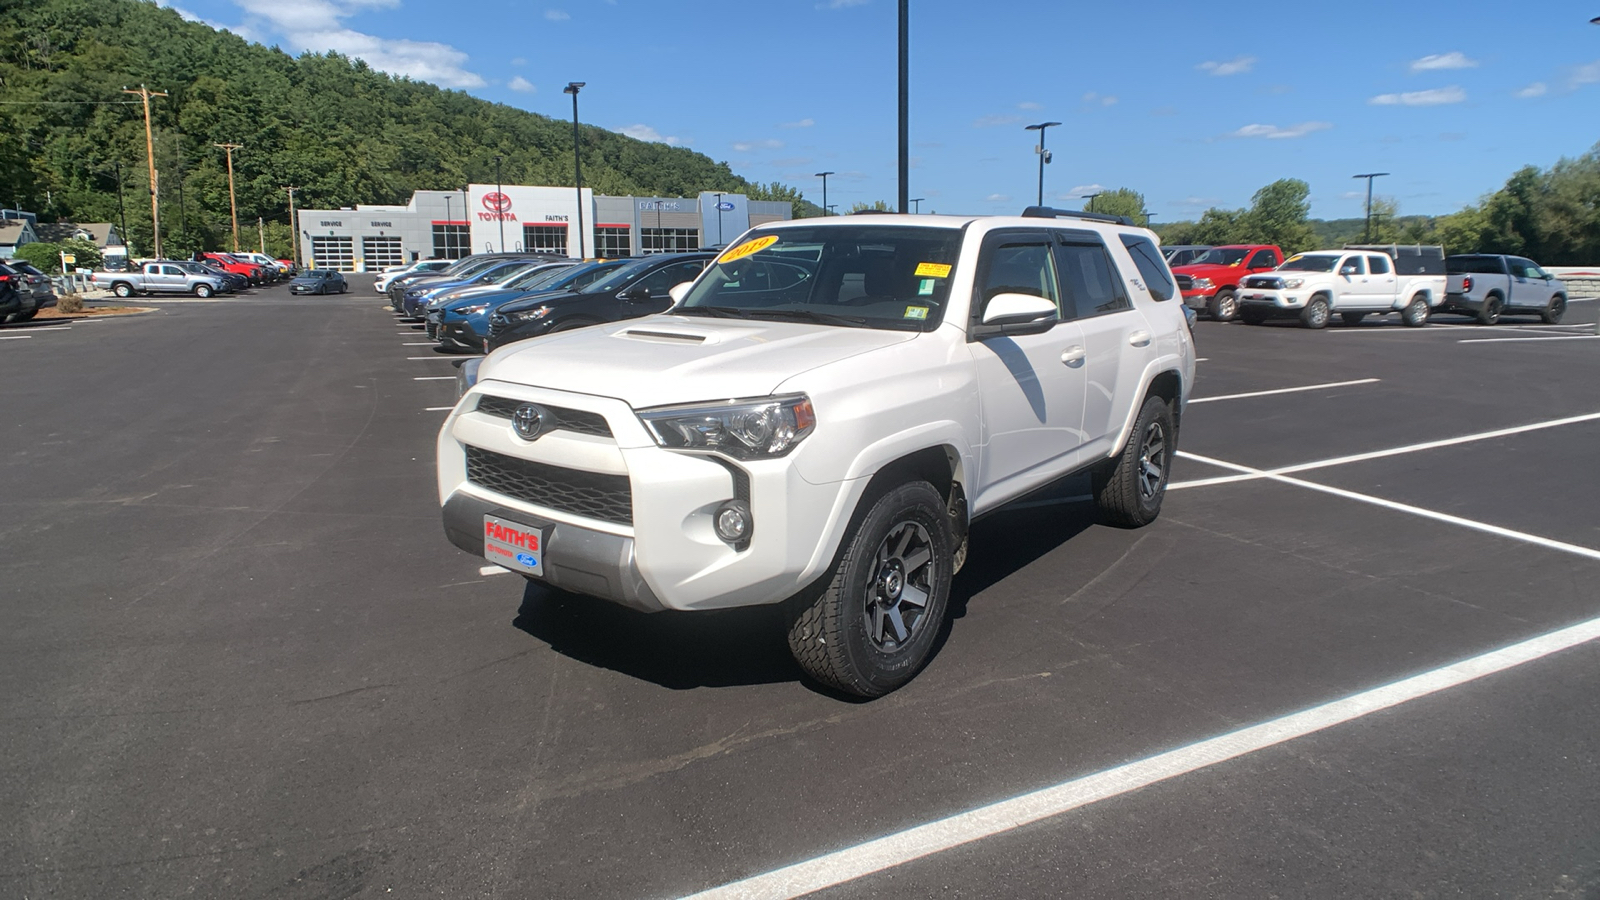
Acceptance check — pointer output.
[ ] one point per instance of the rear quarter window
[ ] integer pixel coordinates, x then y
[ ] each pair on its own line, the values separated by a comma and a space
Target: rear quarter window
1152, 267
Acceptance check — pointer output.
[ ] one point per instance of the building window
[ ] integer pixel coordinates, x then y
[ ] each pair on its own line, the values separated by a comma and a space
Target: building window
382, 252
451, 240
545, 239
333, 253
612, 241
669, 240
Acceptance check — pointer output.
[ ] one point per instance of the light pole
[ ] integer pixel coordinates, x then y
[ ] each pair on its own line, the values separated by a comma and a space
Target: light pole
1044, 155
824, 177
1366, 233
447, 224
233, 204
577, 162
294, 246
916, 204
1089, 207
718, 195
905, 104
500, 192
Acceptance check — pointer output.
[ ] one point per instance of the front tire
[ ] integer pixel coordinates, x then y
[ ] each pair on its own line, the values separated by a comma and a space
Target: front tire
1130, 489
1224, 306
1416, 312
872, 627
1554, 310
1315, 315
1489, 313
202, 291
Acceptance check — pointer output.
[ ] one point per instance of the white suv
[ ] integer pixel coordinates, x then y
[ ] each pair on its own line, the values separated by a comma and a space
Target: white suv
819, 417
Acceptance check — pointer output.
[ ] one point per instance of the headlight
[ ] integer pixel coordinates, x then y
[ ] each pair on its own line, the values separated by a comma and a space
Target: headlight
742, 429
1294, 282
470, 310
1204, 284
528, 315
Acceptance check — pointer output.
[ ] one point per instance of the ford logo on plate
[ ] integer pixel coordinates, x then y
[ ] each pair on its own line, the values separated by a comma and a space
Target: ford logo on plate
527, 559
527, 421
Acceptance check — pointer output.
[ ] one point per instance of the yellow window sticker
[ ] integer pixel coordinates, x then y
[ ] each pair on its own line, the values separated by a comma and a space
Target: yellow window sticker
933, 270
916, 312
748, 247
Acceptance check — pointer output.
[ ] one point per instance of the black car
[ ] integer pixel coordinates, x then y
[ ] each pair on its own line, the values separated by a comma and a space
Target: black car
16, 299
44, 295
319, 281
638, 288
231, 282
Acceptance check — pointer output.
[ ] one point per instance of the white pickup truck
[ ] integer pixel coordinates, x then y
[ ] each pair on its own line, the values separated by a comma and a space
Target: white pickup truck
161, 277
822, 439
1355, 282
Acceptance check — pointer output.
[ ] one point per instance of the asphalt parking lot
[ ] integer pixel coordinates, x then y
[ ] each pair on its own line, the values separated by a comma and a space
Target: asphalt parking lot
242, 659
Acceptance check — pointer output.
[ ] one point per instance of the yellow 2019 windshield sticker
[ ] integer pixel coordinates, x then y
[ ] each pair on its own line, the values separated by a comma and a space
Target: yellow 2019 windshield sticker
916, 312
748, 247
933, 270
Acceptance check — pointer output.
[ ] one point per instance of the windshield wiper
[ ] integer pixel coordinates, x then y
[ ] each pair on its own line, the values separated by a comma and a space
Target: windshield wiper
807, 315
718, 312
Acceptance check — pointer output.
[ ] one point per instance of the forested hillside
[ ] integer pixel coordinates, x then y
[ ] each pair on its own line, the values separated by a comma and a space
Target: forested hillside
342, 132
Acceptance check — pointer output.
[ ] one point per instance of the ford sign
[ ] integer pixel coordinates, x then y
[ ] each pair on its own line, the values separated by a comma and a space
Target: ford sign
725, 206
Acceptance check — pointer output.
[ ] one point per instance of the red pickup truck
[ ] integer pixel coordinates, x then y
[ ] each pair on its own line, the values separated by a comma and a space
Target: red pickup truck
1211, 282
228, 263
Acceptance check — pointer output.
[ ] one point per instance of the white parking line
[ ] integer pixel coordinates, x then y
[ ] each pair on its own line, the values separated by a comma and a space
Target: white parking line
14, 337
1485, 527
418, 343
1549, 337
1292, 390
1430, 327
1377, 454
435, 378
435, 356
437, 408
1008, 815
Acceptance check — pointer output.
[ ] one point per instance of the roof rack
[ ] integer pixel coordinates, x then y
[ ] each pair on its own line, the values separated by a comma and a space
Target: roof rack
1046, 212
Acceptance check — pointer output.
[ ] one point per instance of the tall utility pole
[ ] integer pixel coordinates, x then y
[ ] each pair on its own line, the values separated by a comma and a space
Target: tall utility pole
577, 161
294, 228
824, 177
1044, 155
905, 105
145, 94
232, 203
261, 230
1366, 233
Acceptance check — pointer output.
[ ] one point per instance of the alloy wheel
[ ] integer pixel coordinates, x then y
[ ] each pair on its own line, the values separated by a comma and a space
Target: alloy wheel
1152, 461
900, 585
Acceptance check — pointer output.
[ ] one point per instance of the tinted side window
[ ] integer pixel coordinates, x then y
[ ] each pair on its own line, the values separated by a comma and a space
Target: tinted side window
1020, 266
1152, 268
1378, 264
1520, 267
1264, 259
1090, 283
1353, 266
661, 280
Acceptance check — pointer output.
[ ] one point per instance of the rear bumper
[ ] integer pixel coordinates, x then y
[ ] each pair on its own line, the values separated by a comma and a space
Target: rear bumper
1462, 302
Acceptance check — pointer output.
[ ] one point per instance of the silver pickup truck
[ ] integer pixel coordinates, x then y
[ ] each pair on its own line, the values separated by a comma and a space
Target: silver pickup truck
1487, 285
161, 277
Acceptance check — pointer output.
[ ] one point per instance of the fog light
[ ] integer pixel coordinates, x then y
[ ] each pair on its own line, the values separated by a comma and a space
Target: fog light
732, 521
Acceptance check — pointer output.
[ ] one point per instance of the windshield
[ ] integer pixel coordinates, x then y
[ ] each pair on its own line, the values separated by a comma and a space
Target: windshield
1222, 256
1309, 264
495, 276
621, 275
538, 275
862, 276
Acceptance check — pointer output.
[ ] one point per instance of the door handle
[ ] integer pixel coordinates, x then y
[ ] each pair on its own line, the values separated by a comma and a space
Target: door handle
1139, 338
1073, 356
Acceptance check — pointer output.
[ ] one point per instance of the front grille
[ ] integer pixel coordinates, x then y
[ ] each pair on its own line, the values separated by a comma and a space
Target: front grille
608, 498
564, 419
1185, 282
1271, 284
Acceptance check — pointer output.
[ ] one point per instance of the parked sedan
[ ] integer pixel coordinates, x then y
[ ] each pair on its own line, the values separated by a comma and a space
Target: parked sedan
417, 298
44, 295
230, 281
318, 281
420, 267
464, 324
638, 288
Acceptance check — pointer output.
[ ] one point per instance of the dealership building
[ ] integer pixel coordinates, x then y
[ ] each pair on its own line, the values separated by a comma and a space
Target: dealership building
486, 218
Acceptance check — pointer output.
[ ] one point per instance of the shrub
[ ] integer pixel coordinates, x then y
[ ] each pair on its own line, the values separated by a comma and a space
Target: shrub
44, 257
69, 303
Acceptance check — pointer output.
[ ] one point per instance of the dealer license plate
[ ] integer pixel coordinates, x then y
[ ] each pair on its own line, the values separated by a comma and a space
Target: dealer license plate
513, 545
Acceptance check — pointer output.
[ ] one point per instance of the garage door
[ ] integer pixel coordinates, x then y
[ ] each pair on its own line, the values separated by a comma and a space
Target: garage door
334, 253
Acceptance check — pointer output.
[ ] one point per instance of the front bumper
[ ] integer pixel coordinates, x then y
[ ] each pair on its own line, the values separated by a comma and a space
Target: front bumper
1198, 299
1273, 300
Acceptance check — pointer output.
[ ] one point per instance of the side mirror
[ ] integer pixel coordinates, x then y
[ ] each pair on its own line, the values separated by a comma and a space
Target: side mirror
1348, 270
636, 294
679, 291
1018, 314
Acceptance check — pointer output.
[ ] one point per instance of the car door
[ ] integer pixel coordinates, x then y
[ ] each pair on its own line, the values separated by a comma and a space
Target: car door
1526, 289
1350, 284
658, 283
1381, 282
1263, 261
1117, 338
1031, 386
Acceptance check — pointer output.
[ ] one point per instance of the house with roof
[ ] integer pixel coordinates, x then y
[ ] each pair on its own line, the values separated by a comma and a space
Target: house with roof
14, 233
103, 234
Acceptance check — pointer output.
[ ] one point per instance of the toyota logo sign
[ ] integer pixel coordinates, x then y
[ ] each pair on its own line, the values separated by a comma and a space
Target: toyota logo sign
494, 201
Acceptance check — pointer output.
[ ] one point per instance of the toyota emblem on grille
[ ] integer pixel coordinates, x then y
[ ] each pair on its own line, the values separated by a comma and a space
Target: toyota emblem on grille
528, 421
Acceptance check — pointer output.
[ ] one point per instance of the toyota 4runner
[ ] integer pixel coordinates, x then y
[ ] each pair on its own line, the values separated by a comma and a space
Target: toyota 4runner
819, 417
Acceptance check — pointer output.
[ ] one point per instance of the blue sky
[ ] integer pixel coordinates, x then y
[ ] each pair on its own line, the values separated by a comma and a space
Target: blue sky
1193, 105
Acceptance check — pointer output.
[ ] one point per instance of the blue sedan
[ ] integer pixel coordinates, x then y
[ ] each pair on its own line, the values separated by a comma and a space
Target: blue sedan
416, 298
464, 324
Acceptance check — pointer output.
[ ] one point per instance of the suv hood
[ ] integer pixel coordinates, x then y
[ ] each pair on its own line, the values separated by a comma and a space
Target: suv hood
1210, 270
662, 360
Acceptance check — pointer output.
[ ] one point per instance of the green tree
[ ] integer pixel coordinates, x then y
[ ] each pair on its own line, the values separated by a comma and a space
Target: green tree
1277, 215
43, 256
874, 206
1120, 202
83, 251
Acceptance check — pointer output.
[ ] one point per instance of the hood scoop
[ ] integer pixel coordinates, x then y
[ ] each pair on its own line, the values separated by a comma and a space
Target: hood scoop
664, 337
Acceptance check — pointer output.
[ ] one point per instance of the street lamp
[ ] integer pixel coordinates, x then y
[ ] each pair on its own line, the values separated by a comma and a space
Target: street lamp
499, 202
917, 204
718, 195
824, 177
1366, 233
577, 163
1089, 207
834, 206
1044, 155
447, 225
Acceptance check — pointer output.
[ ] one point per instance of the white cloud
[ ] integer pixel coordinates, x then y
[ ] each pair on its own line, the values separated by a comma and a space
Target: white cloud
1537, 89
1455, 59
803, 123
1029, 104
185, 14
1080, 189
1236, 66
317, 25
1434, 97
1583, 75
767, 144
1273, 132
840, 4
521, 84
556, 15
992, 121
1093, 97
646, 133
998, 198
519, 61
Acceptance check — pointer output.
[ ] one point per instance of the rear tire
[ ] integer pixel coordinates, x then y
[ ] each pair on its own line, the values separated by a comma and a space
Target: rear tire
871, 628
1554, 310
1352, 318
23, 316
1129, 489
1489, 313
1416, 312
1224, 306
1315, 315
122, 289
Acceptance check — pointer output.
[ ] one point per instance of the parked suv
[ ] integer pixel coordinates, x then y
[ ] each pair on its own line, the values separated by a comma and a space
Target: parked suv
915, 373
35, 282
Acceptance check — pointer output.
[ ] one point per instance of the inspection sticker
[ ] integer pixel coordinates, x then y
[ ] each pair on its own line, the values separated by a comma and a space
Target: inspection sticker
933, 270
916, 312
748, 247
925, 287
